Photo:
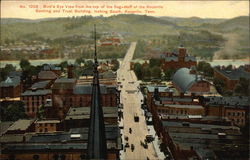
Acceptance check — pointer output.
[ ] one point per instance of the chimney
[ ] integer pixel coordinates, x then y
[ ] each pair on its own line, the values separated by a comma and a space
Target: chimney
156, 94
70, 68
182, 51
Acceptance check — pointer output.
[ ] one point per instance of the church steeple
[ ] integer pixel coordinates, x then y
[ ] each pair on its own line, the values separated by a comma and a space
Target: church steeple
97, 145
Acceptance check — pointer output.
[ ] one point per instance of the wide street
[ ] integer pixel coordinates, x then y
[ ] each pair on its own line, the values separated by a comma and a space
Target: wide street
131, 99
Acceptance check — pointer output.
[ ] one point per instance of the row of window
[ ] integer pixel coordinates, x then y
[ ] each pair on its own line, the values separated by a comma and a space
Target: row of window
238, 120
46, 124
235, 113
184, 112
35, 97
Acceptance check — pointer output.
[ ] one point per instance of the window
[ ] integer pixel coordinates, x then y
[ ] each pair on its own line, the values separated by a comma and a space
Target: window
238, 113
45, 124
46, 129
229, 114
185, 112
181, 111
242, 113
33, 109
238, 120
40, 130
233, 114
51, 125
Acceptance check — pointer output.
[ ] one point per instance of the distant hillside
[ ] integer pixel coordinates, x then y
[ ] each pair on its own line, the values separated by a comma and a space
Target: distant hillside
193, 21
204, 37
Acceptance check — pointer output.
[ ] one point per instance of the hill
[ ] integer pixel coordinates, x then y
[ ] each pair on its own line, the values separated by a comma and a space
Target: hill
203, 37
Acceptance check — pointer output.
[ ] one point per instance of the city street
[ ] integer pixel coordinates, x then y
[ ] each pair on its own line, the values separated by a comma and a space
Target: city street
131, 98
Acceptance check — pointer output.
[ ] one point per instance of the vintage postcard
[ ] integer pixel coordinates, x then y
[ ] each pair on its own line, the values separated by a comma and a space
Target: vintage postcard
129, 80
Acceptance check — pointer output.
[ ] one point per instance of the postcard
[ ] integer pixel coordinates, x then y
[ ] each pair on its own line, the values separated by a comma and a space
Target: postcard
144, 80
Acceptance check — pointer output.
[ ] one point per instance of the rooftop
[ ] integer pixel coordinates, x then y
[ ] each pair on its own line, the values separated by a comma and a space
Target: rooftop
179, 106
151, 89
184, 80
11, 82
37, 92
84, 112
87, 89
21, 124
234, 74
233, 101
40, 85
47, 75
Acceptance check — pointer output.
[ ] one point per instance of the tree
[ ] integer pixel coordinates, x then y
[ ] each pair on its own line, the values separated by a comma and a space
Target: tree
154, 62
155, 72
146, 73
169, 73
205, 68
242, 88
138, 70
89, 64
79, 61
13, 112
219, 85
41, 112
63, 64
116, 64
6, 70
24, 64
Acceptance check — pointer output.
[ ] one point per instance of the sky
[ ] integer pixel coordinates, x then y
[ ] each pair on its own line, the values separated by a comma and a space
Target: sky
202, 9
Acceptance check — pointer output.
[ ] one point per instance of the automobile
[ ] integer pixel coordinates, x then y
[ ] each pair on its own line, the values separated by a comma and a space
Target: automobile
149, 138
132, 147
127, 145
136, 118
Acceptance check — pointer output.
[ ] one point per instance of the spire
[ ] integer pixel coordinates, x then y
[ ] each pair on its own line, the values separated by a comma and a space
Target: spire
97, 145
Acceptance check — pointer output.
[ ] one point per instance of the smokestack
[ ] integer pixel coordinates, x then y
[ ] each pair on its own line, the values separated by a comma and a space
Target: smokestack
70, 68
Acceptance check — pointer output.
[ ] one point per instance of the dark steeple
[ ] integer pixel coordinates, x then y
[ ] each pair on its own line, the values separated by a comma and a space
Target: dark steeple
97, 145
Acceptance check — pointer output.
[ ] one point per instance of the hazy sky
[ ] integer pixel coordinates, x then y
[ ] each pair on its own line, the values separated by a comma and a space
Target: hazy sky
203, 9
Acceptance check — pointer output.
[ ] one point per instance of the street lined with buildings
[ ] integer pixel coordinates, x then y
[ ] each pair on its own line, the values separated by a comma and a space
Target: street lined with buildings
131, 98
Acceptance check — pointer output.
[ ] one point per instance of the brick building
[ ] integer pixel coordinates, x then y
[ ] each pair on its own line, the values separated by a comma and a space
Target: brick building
178, 60
235, 108
66, 93
45, 126
11, 87
188, 140
36, 96
60, 145
78, 117
231, 77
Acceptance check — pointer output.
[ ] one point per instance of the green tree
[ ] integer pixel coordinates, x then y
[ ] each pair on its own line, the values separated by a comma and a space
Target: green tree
63, 65
138, 70
219, 85
89, 64
6, 70
154, 62
242, 88
156, 72
13, 112
24, 64
79, 61
205, 68
169, 73
146, 73
116, 64
41, 112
